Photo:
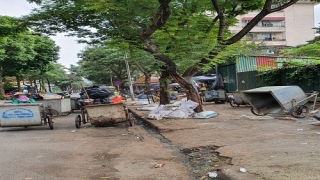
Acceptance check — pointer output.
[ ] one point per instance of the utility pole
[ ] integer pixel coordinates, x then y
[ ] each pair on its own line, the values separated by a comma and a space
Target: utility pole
129, 77
111, 78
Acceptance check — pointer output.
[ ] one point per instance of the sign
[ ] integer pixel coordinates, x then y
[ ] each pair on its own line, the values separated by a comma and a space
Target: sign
117, 83
17, 113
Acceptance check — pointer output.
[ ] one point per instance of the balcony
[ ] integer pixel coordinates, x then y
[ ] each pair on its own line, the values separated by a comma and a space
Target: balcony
268, 28
277, 42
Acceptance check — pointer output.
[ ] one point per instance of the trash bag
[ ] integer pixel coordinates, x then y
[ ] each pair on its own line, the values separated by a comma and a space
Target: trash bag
218, 84
98, 91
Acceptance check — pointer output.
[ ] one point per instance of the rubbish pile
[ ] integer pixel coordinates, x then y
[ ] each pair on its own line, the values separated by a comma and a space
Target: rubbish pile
98, 94
179, 109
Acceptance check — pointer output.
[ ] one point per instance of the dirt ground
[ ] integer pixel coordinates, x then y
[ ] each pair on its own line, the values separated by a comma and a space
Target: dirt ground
115, 153
266, 147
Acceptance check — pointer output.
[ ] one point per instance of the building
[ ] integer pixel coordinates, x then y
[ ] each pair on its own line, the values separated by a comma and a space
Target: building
289, 27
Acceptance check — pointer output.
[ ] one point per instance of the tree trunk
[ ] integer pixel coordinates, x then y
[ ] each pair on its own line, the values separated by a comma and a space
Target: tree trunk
43, 87
30, 80
147, 82
18, 83
191, 92
2, 93
164, 96
49, 86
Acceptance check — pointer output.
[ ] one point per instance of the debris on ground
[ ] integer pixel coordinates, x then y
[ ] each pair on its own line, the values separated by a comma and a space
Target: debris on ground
212, 174
205, 159
159, 165
288, 118
177, 110
242, 170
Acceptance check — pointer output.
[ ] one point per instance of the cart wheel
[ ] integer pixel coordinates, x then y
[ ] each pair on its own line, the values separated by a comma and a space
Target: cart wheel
53, 112
299, 111
255, 112
78, 121
233, 103
50, 122
130, 119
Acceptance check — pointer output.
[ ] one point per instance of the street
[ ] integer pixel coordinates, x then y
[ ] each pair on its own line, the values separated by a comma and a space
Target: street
116, 152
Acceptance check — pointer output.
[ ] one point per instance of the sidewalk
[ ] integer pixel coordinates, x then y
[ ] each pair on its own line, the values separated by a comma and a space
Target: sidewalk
267, 148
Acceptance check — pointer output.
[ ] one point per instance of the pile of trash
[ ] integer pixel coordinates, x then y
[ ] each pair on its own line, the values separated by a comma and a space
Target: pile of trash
98, 94
179, 109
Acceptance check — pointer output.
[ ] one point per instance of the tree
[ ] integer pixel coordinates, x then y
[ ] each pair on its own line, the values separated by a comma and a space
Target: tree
178, 33
21, 51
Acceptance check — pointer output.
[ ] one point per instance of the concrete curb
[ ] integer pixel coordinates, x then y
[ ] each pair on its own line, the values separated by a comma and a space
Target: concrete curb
153, 126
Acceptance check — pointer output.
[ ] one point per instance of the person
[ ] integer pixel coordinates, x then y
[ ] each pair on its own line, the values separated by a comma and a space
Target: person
20, 97
203, 88
70, 91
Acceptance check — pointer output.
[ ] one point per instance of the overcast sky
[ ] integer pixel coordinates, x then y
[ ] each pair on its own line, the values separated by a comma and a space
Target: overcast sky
69, 47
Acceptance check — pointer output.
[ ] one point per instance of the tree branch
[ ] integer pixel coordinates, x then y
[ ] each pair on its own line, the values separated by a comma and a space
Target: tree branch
221, 20
213, 22
265, 11
159, 18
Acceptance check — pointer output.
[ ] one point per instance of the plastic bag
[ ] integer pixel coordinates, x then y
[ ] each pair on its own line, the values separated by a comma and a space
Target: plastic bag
188, 104
178, 113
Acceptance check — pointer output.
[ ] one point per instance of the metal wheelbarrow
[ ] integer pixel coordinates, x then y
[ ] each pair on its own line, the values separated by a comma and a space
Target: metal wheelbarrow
276, 99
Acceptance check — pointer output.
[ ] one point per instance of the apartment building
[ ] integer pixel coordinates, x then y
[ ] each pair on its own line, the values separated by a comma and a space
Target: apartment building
289, 27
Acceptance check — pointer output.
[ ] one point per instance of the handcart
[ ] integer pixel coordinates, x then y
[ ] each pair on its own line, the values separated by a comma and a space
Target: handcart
276, 99
238, 98
104, 115
217, 96
58, 106
24, 115
74, 105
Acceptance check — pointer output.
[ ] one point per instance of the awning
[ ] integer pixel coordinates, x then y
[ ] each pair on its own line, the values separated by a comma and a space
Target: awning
265, 18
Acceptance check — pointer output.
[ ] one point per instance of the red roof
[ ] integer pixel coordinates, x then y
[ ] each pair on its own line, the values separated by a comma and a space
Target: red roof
265, 18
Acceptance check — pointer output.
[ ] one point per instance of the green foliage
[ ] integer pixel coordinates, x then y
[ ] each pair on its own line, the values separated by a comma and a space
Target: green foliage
304, 74
308, 50
98, 64
270, 77
187, 37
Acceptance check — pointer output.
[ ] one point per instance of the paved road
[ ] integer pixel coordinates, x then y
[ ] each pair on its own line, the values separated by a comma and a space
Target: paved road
116, 152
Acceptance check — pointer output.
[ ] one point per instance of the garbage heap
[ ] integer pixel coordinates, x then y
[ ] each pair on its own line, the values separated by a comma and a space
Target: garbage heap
98, 94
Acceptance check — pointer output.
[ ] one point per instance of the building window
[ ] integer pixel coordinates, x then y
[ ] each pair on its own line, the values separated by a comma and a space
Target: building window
266, 36
266, 23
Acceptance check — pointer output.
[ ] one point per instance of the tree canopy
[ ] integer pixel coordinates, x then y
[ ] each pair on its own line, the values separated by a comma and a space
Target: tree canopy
184, 35
21, 51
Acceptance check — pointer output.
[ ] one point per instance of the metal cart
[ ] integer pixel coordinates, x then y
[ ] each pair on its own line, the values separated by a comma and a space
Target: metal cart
58, 106
24, 115
276, 99
214, 95
238, 98
104, 115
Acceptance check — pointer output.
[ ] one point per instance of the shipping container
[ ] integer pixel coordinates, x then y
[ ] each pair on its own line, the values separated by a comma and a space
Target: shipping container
248, 80
246, 63
266, 63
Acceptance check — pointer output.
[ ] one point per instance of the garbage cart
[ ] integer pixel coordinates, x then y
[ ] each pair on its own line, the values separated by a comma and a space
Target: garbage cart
276, 99
104, 115
24, 115
214, 96
61, 106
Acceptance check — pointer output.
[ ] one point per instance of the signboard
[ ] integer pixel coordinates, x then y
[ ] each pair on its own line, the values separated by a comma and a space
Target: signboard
117, 83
